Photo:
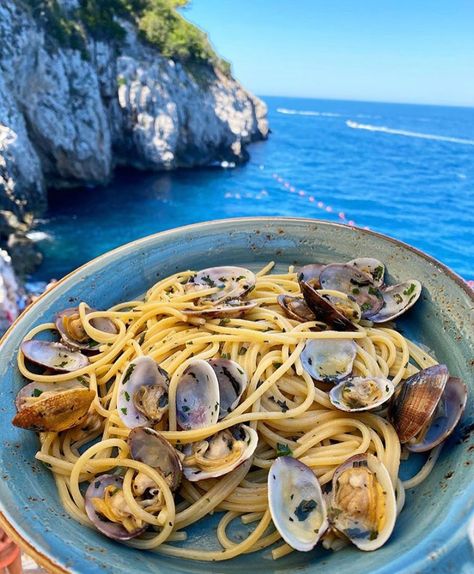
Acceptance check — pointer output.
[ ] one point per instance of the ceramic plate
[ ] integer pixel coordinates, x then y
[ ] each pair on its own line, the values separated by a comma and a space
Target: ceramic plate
430, 535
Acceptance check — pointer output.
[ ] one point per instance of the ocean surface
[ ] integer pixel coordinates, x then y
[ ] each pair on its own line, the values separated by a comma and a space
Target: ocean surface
403, 170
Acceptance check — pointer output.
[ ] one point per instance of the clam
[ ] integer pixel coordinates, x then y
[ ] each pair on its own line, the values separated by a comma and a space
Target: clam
52, 406
231, 282
328, 360
232, 381
230, 308
337, 313
372, 267
143, 393
311, 273
107, 510
362, 503
396, 300
445, 418
296, 308
355, 283
361, 393
69, 325
197, 396
220, 453
53, 355
426, 408
296, 503
150, 447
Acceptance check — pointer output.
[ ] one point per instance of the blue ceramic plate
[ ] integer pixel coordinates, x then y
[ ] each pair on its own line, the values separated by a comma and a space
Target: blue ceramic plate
430, 535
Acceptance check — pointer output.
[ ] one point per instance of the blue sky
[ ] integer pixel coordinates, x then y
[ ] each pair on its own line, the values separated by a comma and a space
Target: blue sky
418, 51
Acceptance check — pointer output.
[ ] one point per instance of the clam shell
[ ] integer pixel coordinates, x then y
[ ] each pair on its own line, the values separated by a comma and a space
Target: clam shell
53, 355
36, 389
111, 529
296, 503
197, 396
311, 273
324, 310
232, 380
345, 515
296, 308
100, 323
416, 400
371, 266
150, 447
446, 417
355, 283
241, 432
61, 411
142, 371
231, 308
328, 360
396, 300
232, 282
354, 395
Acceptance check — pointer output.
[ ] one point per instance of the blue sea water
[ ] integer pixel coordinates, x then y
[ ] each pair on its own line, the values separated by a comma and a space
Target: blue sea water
403, 170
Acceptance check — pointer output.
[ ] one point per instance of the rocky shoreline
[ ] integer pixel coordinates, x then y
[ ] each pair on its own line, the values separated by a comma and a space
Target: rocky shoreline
69, 115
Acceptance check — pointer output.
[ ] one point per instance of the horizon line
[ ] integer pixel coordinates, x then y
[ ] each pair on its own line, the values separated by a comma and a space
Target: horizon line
464, 106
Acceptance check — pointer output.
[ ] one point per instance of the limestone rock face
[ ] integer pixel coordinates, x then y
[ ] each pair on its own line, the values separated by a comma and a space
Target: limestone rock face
68, 116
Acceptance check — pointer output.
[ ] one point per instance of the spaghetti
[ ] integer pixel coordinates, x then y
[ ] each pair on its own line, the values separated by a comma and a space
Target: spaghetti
290, 412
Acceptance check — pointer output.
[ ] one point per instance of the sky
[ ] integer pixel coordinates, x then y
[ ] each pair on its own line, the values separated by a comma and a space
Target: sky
410, 51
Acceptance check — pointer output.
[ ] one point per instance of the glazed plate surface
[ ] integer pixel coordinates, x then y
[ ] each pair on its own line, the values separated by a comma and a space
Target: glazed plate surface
430, 535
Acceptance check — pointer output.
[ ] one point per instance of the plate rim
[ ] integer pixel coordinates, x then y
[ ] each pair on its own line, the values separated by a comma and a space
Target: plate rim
409, 565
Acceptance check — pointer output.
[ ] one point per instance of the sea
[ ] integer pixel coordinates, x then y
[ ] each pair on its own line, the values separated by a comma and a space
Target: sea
403, 170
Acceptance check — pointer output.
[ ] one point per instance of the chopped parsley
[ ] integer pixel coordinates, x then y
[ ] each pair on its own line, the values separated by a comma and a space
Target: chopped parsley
127, 396
124, 410
378, 273
128, 373
282, 449
224, 322
37, 392
398, 298
304, 508
409, 290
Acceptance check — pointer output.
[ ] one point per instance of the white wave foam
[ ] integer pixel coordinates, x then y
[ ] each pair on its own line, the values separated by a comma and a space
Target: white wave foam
307, 113
385, 130
38, 235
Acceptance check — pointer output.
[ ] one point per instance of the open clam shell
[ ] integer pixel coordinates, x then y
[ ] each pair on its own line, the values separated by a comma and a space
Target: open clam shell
328, 360
230, 308
86, 344
325, 310
372, 267
296, 503
52, 407
143, 393
111, 529
232, 381
296, 308
231, 282
416, 400
445, 418
197, 396
53, 355
362, 503
311, 273
396, 300
355, 283
150, 447
361, 393
220, 453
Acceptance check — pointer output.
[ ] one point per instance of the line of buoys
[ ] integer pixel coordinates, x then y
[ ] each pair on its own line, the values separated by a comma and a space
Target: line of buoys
320, 204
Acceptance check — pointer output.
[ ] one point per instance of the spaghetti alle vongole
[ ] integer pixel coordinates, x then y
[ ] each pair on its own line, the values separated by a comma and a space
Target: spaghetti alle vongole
228, 391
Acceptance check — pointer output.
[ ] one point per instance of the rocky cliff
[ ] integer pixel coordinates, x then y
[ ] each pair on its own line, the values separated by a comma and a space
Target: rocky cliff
69, 114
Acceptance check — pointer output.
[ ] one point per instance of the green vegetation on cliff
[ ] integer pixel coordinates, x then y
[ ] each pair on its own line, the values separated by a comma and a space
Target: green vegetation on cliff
159, 23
